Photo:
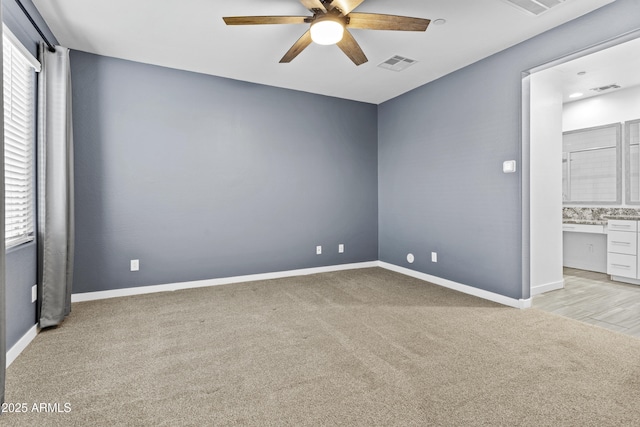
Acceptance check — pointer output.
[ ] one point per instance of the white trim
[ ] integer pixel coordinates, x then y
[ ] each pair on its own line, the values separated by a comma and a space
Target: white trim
22, 343
552, 286
115, 293
491, 296
23, 50
169, 287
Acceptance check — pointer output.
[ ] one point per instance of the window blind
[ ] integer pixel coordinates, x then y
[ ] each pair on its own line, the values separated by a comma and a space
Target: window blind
19, 140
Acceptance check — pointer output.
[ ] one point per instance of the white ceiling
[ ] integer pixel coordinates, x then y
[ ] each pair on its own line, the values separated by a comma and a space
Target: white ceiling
190, 35
619, 64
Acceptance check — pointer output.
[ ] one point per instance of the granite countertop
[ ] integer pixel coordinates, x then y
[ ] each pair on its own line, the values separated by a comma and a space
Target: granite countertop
598, 216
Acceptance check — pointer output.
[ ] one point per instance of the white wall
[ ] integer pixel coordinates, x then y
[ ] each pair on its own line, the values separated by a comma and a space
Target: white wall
546, 178
616, 107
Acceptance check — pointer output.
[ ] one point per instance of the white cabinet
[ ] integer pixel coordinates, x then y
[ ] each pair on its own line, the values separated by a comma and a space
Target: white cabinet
584, 246
622, 249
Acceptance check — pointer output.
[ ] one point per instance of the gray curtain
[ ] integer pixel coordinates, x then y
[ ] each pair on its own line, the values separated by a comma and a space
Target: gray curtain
55, 187
3, 314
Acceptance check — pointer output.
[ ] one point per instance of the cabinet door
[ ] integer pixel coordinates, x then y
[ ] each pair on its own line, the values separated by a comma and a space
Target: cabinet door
622, 242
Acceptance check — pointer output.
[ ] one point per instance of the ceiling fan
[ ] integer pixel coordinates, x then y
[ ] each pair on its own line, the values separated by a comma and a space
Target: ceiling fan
330, 24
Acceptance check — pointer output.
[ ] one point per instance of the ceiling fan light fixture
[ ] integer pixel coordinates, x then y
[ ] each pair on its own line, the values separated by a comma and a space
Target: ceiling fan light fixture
327, 31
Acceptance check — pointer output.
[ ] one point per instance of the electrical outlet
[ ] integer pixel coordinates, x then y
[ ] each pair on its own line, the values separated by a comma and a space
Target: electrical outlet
135, 264
34, 293
318, 250
341, 248
434, 257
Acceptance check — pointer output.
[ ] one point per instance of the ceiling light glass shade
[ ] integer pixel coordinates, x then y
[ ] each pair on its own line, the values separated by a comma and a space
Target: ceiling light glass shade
326, 32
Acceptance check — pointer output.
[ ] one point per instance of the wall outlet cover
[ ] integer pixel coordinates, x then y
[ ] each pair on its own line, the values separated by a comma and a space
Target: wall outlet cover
341, 248
318, 250
434, 257
34, 293
135, 264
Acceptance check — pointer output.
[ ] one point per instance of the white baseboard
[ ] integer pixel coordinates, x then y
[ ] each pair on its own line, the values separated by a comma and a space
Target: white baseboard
19, 347
115, 293
539, 289
91, 296
491, 296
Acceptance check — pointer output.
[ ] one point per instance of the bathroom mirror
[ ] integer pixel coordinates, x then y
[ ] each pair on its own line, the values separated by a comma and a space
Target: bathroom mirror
632, 142
591, 165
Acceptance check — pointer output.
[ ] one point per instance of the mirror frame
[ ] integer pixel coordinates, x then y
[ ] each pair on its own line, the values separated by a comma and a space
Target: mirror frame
627, 162
618, 201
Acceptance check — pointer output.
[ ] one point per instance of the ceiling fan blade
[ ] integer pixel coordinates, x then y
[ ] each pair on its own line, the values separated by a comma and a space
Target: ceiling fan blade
297, 47
345, 6
352, 49
313, 4
257, 20
375, 21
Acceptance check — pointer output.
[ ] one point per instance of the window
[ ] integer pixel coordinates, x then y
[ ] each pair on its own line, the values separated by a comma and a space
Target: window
19, 87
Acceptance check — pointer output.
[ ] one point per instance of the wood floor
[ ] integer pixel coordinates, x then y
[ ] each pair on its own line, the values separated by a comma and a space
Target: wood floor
592, 298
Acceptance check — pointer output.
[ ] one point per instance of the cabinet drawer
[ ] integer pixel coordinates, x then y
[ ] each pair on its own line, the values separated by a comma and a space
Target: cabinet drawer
621, 265
622, 242
621, 225
583, 228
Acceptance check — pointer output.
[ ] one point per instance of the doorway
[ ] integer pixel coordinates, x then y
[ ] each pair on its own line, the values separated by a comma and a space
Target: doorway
546, 95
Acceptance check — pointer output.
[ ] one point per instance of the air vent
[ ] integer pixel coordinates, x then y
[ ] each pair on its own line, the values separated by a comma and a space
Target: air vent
606, 88
397, 63
534, 7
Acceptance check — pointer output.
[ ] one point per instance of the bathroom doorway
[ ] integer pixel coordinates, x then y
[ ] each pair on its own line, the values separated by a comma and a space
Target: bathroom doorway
552, 107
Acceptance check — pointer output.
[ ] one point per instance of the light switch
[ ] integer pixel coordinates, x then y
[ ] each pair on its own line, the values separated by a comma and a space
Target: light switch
509, 166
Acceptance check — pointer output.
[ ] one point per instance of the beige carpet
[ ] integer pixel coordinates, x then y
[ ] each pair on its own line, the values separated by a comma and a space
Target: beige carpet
364, 347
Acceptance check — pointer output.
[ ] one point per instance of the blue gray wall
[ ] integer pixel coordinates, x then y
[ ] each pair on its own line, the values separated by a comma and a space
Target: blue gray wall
201, 177
22, 260
441, 148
